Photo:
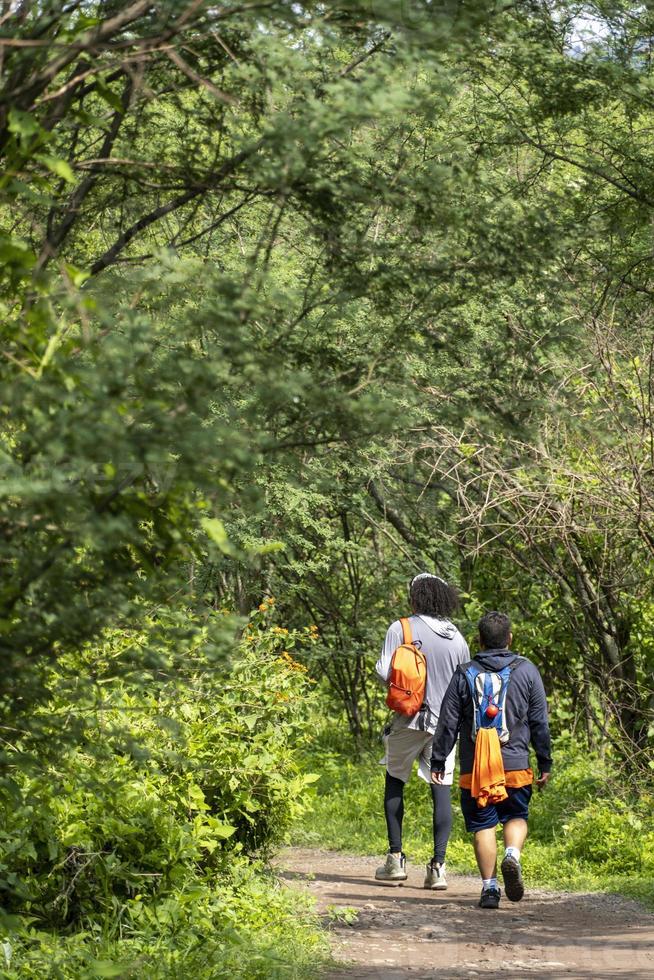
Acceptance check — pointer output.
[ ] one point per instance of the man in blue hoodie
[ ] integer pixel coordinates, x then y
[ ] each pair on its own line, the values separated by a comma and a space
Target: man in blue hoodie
524, 720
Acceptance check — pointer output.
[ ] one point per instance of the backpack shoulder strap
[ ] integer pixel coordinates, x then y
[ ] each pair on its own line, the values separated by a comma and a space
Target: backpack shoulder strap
469, 672
407, 636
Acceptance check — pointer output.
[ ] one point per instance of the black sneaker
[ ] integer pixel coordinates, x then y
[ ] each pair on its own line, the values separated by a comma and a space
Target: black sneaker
490, 898
512, 874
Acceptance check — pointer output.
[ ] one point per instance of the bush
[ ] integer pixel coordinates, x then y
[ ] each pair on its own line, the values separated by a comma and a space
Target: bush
242, 926
137, 843
578, 780
608, 835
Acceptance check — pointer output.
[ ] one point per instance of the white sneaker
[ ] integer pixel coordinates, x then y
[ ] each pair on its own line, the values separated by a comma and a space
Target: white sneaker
435, 877
393, 870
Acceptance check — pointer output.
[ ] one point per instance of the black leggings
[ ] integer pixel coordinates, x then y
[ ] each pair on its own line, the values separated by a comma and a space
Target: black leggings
394, 810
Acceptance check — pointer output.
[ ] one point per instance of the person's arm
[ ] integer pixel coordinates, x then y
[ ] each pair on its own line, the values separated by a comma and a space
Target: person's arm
539, 729
447, 731
394, 638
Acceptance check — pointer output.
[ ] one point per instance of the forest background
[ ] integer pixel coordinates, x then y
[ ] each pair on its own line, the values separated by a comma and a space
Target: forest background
299, 299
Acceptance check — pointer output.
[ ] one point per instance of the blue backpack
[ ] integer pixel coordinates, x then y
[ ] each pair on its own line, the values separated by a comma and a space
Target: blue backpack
488, 689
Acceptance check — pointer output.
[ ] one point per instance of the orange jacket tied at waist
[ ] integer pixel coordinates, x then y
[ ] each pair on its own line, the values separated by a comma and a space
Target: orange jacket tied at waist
488, 784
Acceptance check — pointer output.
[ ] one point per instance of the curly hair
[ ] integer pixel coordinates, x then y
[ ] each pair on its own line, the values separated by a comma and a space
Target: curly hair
494, 630
431, 596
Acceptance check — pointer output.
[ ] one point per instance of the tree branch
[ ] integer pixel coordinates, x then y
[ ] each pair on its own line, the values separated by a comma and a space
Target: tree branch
109, 257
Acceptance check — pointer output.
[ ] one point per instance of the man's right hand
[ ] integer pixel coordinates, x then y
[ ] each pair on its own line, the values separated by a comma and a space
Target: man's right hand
542, 780
437, 777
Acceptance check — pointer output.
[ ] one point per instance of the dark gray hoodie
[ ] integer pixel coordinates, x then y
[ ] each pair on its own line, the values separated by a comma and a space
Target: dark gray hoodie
526, 716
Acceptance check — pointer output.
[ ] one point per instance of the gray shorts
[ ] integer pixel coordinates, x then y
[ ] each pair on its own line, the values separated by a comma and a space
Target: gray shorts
405, 745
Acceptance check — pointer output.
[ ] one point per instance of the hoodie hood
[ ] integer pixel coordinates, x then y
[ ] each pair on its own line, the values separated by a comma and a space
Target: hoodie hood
441, 627
495, 659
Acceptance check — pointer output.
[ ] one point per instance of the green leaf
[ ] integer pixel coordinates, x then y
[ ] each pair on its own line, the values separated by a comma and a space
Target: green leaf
22, 124
104, 968
222, 830
77, 276
468, 449
15, 252
108, 96
269, 547
58, 166
216, 531
196, 799
84, 23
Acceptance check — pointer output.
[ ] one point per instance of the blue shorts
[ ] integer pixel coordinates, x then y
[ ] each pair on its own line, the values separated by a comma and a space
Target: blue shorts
487, 817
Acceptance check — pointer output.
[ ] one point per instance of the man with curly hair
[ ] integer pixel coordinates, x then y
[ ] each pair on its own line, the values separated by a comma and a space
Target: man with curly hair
408, 738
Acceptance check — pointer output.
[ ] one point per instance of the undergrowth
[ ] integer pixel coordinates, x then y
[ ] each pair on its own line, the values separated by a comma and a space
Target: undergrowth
238, 924
138, 847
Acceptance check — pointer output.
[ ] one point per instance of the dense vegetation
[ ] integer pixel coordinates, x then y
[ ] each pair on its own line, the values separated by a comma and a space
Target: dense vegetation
298, 299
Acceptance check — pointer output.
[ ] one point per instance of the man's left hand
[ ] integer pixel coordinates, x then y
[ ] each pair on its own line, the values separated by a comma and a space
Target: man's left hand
542, 780
437, 777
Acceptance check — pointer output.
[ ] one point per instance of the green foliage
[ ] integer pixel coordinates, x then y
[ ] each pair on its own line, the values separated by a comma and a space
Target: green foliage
136, 843
244, 926
274, 264
606, 834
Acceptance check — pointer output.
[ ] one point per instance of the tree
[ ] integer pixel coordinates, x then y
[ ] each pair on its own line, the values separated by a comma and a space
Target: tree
272, 154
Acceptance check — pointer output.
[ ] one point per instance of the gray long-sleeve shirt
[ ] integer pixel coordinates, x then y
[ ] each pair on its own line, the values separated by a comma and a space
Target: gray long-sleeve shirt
444, 649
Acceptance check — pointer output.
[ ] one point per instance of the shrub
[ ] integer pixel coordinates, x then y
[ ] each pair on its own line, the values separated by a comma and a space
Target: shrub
137, 842
607, 834
242, 926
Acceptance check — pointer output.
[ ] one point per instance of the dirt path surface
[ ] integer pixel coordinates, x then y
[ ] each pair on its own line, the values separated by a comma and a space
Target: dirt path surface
407, 933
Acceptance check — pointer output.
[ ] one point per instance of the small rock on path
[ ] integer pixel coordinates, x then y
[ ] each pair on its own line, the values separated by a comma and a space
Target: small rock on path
407, 933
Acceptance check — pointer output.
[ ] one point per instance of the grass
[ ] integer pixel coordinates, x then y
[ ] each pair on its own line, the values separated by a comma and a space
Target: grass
259, 930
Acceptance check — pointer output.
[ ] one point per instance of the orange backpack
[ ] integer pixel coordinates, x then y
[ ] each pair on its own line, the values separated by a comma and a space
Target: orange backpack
408, 676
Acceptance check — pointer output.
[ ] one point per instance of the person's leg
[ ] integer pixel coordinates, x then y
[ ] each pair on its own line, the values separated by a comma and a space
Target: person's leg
394, 867
482, 822
515, 834
514, 817
403, 746
394, 812
435, 877
442, 820
485, 843
486, 854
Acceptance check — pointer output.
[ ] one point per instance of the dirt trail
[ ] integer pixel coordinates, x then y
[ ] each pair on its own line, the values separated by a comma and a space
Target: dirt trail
407, 933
